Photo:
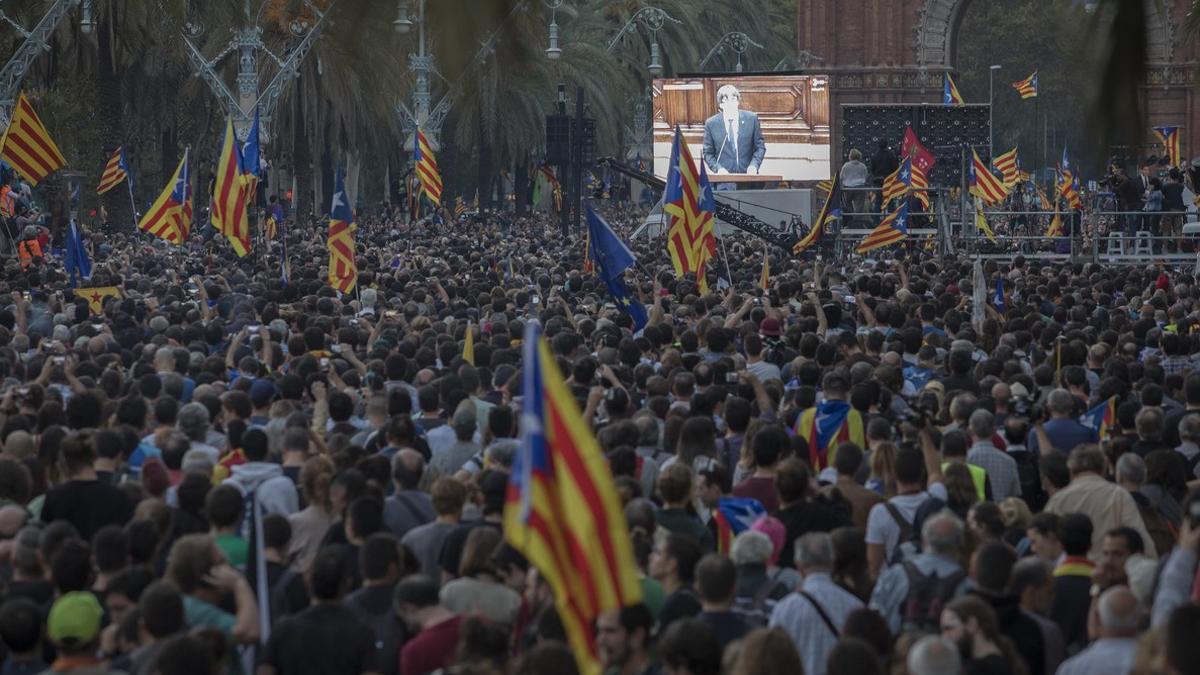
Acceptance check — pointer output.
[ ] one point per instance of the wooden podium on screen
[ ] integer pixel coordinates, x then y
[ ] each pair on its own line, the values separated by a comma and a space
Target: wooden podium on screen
743, 178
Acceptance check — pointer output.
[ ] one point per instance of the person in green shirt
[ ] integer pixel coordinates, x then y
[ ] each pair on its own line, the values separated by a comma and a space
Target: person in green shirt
224, 507
199, 569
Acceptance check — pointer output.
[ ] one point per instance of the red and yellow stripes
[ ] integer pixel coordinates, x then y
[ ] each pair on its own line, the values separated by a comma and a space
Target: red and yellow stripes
427, 169
27, 146
231, 195
1009, 167
984, 183
114, 172
170, 216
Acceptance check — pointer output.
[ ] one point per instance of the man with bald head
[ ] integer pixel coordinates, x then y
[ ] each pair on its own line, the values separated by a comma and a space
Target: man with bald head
19, 444
1114, 621
409, 506
934, 655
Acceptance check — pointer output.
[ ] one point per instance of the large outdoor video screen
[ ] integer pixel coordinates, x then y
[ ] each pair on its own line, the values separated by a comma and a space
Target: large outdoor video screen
772, 125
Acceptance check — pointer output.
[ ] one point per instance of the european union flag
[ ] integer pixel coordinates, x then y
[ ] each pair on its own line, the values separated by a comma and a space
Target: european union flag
77, 261
998, 297
612, 257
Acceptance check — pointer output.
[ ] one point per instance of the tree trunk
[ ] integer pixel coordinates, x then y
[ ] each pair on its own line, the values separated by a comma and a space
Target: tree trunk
301, 157
521, 185
484, 175
108, 84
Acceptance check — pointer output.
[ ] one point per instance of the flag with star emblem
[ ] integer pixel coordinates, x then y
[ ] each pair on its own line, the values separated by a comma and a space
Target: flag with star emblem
897, 183
114, 172
892, 229
1027, 87
950, 95
1009, 167
231, 194
1169, 137
1068, 183
170, 216
983, 183
343, 269
95, 296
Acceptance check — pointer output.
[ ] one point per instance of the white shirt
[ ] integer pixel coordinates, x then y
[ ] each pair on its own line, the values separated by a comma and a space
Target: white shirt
796, 615
1107, 656
883, 529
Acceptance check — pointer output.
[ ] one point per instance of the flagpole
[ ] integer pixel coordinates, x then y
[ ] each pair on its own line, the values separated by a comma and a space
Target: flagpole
132, 202
725, 255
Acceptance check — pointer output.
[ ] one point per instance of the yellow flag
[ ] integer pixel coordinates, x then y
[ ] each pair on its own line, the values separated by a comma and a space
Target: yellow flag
469, 346
95, 296
981, 221
764, 279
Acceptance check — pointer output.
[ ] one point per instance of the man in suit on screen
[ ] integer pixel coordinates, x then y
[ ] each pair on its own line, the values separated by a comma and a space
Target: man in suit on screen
733, 140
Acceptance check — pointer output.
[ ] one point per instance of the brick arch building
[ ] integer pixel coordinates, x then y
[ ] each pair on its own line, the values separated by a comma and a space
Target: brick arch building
895, 51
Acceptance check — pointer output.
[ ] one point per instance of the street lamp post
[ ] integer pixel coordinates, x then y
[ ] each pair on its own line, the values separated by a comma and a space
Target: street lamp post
737, 41
653, 19
553, 51
991, 104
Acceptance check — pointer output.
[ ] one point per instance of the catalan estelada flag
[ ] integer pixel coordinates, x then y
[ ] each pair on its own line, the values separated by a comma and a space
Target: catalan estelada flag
114, 172
1068, 184
231, 194
919, 185
271, 227
827, 425
688, 202
830, 211
95, 296
1101, 418
27, 146
897, 183
893, 228
460, 207
984, 183
733, 516
343, 269
170, 216
427, 168
950, 95
764, 278
1009, 167
562, 511
1169, 137
1027, 87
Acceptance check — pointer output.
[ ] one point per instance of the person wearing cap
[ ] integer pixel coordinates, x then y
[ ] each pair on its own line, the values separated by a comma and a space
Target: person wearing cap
73, 626
262, 394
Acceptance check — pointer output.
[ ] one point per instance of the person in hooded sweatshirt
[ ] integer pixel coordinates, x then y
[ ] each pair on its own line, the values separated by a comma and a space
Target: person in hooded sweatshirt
275, 491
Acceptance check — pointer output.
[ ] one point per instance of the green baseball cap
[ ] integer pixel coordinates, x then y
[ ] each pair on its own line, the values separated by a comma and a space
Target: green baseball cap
74, 619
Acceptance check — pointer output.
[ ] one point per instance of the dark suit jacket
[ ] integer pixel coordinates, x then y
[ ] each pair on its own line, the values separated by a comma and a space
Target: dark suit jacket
750, 147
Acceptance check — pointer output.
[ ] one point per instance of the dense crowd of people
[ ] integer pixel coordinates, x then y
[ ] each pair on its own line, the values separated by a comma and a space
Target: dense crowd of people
857, 470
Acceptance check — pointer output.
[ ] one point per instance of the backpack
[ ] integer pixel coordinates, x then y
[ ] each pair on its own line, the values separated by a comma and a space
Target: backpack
928, 594
756, 610
909, 542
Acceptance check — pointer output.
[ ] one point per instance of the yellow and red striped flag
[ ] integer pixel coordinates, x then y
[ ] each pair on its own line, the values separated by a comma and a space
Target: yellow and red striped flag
950, 95
984, 183
231, 194
830, 211
764, 278
562, 511
427, 168
896, 183
689, 203
271, 228
114, 172
892, 229
920, 185
1056, 228
170, 216
1009, 167
27, 146
343, 268
1028, 87
469, 346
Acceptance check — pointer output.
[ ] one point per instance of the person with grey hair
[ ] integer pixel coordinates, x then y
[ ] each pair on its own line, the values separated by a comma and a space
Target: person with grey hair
1108, 505
733, 138
934, 655
757, 590
1149, 425
813, 616
193, 421
1001, 469
1063, 429
165, 364
932, 577
1189, 443
1117, 620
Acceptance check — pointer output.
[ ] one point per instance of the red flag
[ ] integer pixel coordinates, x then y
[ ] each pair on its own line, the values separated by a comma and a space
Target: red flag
922, 158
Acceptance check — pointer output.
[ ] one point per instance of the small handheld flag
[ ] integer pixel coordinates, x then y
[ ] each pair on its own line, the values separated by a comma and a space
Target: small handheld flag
611, 257
831, 210
95, 296
79, 267
1028, 87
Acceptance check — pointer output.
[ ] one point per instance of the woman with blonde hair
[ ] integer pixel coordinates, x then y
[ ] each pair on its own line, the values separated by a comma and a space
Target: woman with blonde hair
1017, 517
883, 470
310, 524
